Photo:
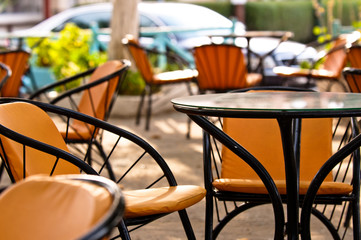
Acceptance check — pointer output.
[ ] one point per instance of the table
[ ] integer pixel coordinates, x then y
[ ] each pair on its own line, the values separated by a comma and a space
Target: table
283, 106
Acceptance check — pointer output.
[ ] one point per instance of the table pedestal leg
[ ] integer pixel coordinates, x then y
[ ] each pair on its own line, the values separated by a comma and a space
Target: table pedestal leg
292, 183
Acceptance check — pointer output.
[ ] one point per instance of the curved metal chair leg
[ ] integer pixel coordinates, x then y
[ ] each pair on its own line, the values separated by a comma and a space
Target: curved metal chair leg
186, 224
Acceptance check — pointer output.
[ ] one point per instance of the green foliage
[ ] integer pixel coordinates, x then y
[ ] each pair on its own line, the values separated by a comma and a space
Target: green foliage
224, 8
68, 54
295, 16
133, 84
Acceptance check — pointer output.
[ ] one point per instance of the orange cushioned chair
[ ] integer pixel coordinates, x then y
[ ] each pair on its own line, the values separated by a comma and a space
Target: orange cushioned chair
62, 207
153, 79
17, 61
98, 94
237, 181
150, 188
331, 66
222, 67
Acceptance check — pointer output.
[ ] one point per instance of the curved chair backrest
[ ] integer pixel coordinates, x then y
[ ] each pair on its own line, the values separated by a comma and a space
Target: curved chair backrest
17, 61
140, 57
336, 58
262, 138
98, 100
353, 79
354, 56
21, 117
62, 207
220, 67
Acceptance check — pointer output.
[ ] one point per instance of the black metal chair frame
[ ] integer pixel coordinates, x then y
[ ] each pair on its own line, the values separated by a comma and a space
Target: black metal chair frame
164, 176
244, 201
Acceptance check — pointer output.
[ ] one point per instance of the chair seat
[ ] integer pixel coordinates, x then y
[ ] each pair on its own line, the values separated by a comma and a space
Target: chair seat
161, 200
299, 72
35, 208
175, 76
253, 79
257, 186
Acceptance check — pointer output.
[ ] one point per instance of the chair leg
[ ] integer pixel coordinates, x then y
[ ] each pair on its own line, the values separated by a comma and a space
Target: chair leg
189, 128
209, 217
149, 109
123, 231
186, 224
140, 106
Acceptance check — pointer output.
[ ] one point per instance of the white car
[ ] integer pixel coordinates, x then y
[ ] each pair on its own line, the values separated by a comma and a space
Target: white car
176, 15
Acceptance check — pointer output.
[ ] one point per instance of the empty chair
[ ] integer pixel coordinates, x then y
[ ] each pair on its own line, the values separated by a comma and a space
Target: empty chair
153, 79
61, 207
222, 68
17, 61
232, 184
94, 97
36, 146
329, 65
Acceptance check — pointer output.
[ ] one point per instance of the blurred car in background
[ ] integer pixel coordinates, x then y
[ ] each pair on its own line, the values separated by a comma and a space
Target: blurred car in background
200, 21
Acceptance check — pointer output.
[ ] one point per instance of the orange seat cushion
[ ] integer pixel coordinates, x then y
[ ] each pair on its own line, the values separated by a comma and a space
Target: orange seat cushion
257, 186
146, 202
44, 208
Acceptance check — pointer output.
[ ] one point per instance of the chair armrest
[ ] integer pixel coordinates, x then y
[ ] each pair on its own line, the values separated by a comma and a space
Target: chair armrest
61, 83
82, 88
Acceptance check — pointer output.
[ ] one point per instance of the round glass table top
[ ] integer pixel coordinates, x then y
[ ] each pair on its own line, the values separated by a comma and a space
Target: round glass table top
272, 102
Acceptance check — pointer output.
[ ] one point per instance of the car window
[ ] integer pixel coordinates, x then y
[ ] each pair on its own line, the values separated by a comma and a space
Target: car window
84, 21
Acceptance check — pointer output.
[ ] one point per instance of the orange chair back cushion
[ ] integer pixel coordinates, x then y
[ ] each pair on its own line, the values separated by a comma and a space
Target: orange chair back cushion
354, 56
96, 101
220, 67
18, 63
261, 137
33, 122
335, 61
141, 59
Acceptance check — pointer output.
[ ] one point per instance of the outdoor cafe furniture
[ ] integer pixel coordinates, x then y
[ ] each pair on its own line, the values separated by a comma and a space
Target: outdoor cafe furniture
222, 67
152, 79
17, 61
62, 207
327, 66
292, 112
248, 36
32, 143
